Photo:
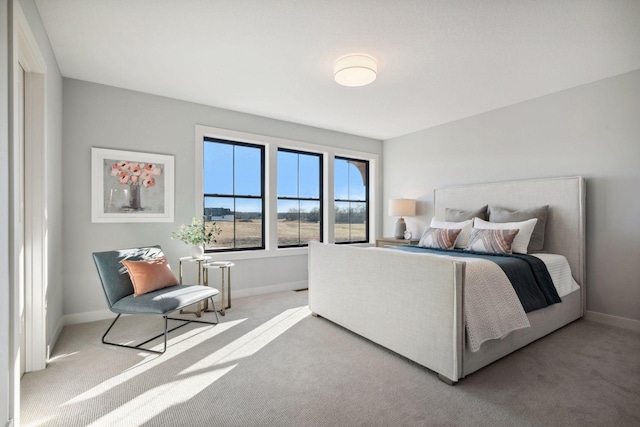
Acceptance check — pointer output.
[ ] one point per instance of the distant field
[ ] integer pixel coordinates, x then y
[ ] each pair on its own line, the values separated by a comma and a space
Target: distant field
248, 233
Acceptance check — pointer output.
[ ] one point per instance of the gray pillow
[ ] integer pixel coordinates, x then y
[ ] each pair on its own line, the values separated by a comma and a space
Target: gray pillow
458, 215
536, 244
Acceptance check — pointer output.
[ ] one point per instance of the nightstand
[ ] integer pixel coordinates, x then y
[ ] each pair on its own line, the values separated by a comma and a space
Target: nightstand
392, 241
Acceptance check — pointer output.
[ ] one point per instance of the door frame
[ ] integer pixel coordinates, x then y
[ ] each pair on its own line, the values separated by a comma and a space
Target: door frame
32, 246
35, 218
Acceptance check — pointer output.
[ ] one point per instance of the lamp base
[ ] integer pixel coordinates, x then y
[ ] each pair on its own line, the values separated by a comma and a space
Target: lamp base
401, 227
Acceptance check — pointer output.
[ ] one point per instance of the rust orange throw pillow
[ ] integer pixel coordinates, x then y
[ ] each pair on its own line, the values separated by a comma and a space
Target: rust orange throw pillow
150, 275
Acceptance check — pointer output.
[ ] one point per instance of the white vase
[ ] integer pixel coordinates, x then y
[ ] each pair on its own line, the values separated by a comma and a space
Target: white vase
197, 252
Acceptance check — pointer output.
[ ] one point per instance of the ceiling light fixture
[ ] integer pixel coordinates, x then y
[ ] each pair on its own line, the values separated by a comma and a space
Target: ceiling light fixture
356, 69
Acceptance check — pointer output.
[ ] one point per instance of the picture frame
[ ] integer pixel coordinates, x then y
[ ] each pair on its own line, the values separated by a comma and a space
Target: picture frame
131, 186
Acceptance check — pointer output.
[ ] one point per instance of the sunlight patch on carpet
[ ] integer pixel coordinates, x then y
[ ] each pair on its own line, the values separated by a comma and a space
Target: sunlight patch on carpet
175, 346
146, 406
62, 356
253, 341
202, 374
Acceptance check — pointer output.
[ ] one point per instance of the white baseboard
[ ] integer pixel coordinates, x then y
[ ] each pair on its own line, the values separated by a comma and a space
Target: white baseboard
92, 316
608, 319
291, 286
87, 316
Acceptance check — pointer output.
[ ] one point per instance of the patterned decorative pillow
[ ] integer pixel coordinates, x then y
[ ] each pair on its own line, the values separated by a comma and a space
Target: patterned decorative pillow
464, 226
439, 238
521, 241
491, 241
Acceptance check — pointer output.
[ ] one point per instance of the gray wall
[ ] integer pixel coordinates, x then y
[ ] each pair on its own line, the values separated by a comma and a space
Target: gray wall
107, 117
592, 130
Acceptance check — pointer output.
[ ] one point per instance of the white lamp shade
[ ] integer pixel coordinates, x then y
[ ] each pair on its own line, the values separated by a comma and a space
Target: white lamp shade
402, 207
355, 70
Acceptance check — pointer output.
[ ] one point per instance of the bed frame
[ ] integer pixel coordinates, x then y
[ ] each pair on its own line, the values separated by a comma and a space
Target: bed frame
413, 305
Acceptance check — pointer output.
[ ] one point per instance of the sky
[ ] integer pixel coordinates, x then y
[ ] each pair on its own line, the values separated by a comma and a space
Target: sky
298, 177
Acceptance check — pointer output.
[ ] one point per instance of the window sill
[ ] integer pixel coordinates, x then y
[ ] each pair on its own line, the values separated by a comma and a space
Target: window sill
258, 254
267, 253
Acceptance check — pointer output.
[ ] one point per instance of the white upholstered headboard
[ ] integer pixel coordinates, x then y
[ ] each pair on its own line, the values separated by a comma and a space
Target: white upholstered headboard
565, 230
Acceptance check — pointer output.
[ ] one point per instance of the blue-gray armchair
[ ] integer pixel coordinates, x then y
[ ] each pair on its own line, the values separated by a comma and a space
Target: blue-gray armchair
119, 291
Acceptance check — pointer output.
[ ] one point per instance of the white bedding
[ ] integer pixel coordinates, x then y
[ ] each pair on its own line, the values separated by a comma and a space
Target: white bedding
492, 308
560, 273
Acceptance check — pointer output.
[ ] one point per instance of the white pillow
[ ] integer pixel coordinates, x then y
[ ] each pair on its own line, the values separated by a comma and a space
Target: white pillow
465, 233
521, 241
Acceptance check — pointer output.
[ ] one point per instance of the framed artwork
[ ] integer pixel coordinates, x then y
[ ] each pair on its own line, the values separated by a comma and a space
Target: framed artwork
129, 186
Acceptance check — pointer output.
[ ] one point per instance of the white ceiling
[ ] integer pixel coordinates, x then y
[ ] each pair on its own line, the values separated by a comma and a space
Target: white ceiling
438, 60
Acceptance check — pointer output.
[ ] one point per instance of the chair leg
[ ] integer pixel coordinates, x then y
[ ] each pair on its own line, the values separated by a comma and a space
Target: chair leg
110, 326
165, 333
214, 309
166, 324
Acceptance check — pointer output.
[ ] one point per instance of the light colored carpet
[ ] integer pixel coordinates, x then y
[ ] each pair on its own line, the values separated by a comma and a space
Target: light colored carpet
269, 363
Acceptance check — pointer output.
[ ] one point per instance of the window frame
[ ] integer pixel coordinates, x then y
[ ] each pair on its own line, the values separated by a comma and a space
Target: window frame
320, 198
235, 197
271, 145
366, 201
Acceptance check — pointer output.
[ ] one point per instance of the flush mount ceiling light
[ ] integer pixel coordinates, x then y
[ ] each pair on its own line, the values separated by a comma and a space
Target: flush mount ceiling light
357, 69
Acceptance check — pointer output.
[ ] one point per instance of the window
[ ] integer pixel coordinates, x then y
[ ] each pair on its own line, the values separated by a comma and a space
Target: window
272, 196
351, 191
233, 184
299, 197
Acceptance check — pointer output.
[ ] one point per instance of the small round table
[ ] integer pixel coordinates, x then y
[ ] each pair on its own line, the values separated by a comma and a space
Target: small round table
201, 262
223, 266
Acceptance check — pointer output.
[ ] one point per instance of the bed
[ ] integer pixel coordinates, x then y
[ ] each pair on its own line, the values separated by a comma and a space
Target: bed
414, 305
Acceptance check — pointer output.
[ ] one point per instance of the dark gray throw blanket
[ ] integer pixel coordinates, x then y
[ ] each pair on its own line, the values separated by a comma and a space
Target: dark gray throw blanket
528, 275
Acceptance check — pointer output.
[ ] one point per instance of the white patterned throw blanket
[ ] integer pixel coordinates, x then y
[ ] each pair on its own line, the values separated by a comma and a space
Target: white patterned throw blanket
492, 308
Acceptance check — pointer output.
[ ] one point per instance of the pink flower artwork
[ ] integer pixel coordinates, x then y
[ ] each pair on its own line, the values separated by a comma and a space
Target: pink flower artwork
134, 173
148, 182
131, 186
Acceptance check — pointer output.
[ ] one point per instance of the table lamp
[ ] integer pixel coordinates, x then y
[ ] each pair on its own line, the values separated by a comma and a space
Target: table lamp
400, 208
